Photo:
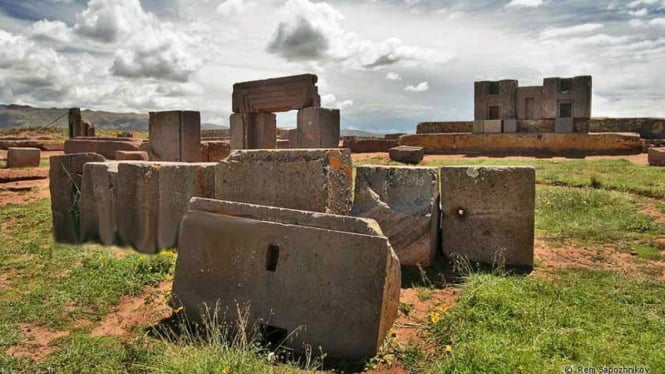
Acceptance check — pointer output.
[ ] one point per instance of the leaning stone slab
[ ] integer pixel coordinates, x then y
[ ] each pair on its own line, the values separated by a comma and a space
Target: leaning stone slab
276, 95
99, 190
405, 203
311, 279
407, 155
488, 214
313, 180
175, 136
657, 156
153, 197
318, 128
65, 175
23, 157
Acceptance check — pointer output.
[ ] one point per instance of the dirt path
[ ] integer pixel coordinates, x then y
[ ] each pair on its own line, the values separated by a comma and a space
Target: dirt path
37, 344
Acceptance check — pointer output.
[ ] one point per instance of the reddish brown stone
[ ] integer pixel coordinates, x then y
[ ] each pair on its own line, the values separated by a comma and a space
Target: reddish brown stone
276, 95
131, 155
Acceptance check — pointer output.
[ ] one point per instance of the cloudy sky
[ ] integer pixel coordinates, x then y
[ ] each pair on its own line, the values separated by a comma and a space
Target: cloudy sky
387, 64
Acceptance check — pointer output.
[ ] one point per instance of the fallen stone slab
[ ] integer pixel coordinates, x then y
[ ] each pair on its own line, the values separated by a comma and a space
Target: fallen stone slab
368, 145
528, 144
175, 136
407, 155
307, 279
657, 156
313, 180
23, 157
99, 189
488, 215
152, 198
106, 147
131, 156
405, 203
276, 95
65, 175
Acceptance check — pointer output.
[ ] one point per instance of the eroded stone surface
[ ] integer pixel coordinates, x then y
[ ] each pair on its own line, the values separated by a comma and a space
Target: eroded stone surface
99, 189
23, 157
407, 155
657, 156
276, 95
175, 136
308, 276
318, 128
106, 147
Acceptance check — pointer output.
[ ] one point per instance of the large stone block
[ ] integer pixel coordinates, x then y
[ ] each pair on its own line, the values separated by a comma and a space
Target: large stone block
175, 136
106, 147
23, 157
213, 151
253, 131
368, 145
488, 214
405, 203
99, 190
443, 127
314, 180
75, 123
65, 187
314, 280
131, 156
152, 198
318, 128
276, 95
479, 126
657, 156
293, 138
407, 155
564, 125
492, 126
510, 126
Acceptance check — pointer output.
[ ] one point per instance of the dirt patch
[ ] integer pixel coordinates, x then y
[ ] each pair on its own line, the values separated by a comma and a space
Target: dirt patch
6, 278
145, 309
651, 211
23, 192
14, 175
37, 344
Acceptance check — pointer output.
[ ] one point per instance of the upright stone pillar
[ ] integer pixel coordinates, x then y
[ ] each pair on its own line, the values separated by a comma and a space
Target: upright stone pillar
75, 123
175, 136
318, 128
253, 131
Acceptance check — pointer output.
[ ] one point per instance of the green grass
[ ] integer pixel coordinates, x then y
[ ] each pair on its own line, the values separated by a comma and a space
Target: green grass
580, 317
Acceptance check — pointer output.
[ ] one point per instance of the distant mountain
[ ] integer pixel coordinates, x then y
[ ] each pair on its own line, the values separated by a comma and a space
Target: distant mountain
360, 133
12, 116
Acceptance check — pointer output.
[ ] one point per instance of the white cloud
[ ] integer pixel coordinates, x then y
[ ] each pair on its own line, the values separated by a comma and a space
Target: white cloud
525, 3
555, 32
51, 31
420, 87
393, 76
109, 21
330, 101
232, 8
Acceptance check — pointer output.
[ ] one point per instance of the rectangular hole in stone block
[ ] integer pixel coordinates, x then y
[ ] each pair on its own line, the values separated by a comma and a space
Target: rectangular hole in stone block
493, 112
494, 88
565, 110
272, 258
273, 335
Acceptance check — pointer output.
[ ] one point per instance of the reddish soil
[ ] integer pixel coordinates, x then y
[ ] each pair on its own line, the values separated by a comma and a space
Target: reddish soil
37, 344
651, 211
23, 192
147, 308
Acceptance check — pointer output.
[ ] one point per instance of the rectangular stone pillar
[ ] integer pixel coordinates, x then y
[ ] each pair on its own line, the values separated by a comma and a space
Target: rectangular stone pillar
175, 136
253, 131
318, 128
99, 190
75, 123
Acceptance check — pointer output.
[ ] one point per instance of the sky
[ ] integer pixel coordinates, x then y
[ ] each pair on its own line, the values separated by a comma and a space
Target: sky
386, 64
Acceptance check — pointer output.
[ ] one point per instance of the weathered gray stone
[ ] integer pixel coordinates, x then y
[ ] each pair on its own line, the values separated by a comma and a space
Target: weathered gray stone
253, 131
405, 203
64, 184
314, 180
657, 156
131, 156
407, 155
106, 147
492, 126
175, 136
293, 138
276, 95
152, 198
510, 126
316, 279
479, 126
75, 123
318, 128
98, 203
564, 125
488, 214
23, 157
213, 151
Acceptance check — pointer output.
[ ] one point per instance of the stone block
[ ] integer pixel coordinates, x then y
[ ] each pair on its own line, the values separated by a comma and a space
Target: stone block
318, 128
564, 125
75, 123
276, 95
65, 175
492, 126
283, 144
106, 147
99, 189
657, 156
132, 156
405, 203
153, 197
488, 214
407, 155
293, 138
479, 126
253, 131
314, 180
315, 280
368, 145
510, 126
444, 127
175, 136
23, 157
213, 151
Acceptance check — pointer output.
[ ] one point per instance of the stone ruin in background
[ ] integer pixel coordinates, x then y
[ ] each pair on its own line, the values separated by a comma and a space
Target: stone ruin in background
284, 231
